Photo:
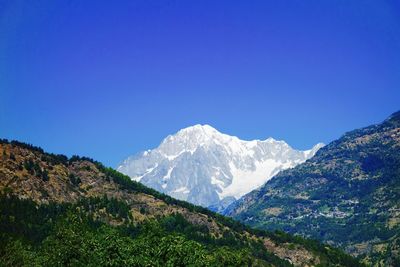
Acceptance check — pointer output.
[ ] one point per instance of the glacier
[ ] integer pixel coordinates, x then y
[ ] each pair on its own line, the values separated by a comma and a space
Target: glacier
200, 165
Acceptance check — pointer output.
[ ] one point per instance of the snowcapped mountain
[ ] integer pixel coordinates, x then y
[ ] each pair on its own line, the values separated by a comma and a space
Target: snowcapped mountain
205, 167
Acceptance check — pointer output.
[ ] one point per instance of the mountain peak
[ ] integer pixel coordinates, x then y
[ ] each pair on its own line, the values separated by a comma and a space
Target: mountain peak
189, 139
210, 132
199, 127
209, 168
80, 200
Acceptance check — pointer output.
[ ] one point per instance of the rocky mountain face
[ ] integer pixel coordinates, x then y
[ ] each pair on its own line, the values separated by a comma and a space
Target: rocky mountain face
205, 167
347, 195
59, 211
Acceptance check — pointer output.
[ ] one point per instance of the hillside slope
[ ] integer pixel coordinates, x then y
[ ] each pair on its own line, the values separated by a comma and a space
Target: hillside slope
347, 195
59, 211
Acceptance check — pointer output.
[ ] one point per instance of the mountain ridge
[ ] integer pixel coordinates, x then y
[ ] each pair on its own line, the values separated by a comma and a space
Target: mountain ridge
60, 211
346, 195
205, 167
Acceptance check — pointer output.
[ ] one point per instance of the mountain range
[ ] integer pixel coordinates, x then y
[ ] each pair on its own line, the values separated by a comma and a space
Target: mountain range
347, 195
60, 211
200, 165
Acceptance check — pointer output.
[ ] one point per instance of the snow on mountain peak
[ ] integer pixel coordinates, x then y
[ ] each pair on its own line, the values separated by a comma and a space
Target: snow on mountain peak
205, 128
203, 166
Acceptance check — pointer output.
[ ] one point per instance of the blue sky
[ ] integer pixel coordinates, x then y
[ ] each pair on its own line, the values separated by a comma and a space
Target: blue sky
107, 80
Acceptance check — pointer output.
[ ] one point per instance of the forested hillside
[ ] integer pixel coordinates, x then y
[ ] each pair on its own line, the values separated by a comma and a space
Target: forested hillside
347, 195
59, 211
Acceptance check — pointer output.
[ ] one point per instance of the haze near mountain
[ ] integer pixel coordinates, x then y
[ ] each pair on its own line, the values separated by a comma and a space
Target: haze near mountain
205, 167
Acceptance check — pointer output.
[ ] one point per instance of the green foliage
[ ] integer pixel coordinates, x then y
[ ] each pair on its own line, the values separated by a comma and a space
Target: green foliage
34, 169
64, 235
54, 159
75, 180
351, 189
45, 176
142, 210
43, 232
113, 206
372, 163
24, 145
125, 183
4, 141
16, 253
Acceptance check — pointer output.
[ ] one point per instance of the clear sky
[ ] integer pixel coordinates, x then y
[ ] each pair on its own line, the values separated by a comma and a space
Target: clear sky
106, 79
